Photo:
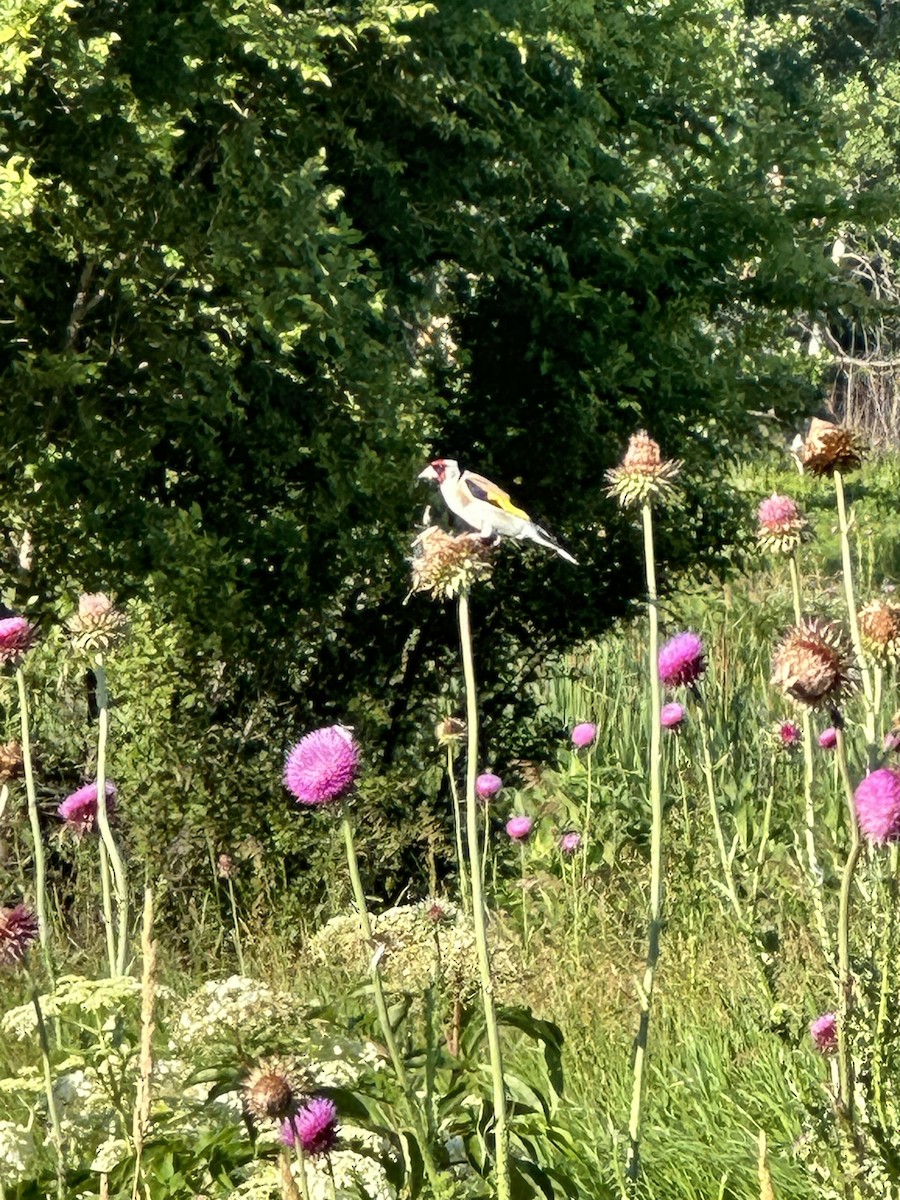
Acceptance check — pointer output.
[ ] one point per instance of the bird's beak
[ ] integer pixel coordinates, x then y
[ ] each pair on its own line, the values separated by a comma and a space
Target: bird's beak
428, 473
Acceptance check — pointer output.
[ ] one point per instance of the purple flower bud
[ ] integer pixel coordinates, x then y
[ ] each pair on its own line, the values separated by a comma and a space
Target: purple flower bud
487, 785
570, 842
823, 1031
877, 801
583, 735
828, 738
671, 716
519, 828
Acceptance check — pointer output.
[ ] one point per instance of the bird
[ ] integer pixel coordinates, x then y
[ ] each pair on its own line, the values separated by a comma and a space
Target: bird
485, 507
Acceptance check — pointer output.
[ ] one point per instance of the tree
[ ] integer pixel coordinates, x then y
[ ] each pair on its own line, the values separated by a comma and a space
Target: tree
257, 261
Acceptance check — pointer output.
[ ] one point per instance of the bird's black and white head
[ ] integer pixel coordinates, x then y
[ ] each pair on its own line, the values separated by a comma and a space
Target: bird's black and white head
441, 471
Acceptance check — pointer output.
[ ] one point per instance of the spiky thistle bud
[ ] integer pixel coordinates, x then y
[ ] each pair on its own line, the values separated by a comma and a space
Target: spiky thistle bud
97, 625
643, 475
879, 631
781, 527
814, 663
12, 761
273, 1090
445, 565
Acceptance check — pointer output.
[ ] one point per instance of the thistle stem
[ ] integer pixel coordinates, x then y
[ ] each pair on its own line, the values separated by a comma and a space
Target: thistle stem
238, 947
709, 777
387, 1031
501, 1132
812, 861
457, 828
853, 620
633, 1164
587, 817
845, 978
115, 858
52, 1112
40, 862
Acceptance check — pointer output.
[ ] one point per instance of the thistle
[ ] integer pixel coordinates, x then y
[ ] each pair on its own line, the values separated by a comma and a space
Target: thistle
643, 475
814, 663
781, 527
879, 631
98, 625
444, 565
829, 447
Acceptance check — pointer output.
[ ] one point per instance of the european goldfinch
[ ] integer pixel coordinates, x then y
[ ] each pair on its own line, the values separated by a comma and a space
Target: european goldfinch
484, 506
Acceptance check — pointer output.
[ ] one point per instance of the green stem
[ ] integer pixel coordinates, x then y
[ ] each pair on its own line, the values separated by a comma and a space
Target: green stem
387, 1031
845, 978
51, 1099
501, 1131
795, 587
585, 845
816, 876
239, 950
457, 827
886, 985
106, 892
115, 858
638, 1089
301, 1163
812, 861
40, 862
847, 571
709, 777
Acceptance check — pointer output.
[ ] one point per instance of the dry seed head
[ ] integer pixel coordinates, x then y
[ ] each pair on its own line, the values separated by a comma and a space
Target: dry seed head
829, 448
272, 1090
98, 624
449, 731
879, 631
643, 475
814, 664
12, 762
444, 565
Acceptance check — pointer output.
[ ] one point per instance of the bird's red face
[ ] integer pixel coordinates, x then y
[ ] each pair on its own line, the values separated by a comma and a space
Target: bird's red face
436, 471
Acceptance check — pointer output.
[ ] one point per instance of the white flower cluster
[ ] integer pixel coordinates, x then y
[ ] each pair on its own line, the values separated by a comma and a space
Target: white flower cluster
73, 995
232, 1009
417, 945
355, 1173
16, 1150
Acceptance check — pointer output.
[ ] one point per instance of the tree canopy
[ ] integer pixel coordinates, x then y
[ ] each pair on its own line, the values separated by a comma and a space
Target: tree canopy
259, 262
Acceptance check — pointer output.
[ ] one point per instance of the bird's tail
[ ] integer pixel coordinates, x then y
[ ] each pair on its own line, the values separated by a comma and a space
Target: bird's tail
543, 538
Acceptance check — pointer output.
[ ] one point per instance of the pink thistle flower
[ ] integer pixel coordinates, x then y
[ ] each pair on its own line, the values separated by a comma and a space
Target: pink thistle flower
79, 811
583, 735
17, 636
570, 842
519, 828
823, 1031
877, 800
828, 738
322, 767
681, 660
777, 512
315, 1127
892, 740
487, 785
18, 931
671, 716
790, 735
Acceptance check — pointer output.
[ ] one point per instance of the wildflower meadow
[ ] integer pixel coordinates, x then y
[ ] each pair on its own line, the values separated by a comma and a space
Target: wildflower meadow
661, 961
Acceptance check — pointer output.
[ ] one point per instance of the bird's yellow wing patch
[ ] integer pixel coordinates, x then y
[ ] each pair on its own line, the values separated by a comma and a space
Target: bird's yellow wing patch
483, 489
